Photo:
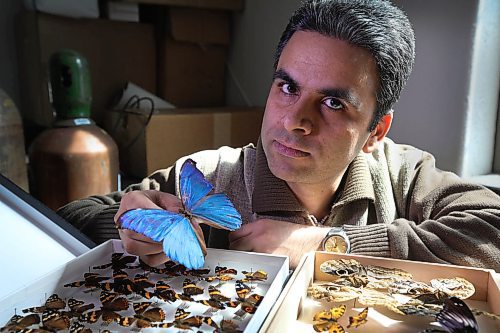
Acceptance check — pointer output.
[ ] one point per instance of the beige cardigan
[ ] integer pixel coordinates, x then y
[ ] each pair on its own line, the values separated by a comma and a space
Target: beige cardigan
394, 203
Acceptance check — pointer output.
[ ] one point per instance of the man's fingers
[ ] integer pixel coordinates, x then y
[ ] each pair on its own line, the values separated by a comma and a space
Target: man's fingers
137, 244
244, 231
155, 259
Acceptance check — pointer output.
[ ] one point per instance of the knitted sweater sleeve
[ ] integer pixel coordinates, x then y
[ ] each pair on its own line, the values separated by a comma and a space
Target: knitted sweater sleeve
94, 215
439, 218
447, 220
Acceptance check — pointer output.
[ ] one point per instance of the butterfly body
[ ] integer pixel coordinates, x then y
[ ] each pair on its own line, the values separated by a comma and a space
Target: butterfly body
175, 229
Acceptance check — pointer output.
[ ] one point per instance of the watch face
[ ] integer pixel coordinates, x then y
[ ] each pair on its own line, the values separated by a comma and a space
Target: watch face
336, 244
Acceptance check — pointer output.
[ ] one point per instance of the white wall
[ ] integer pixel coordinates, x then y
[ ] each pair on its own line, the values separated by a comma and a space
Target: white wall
431, 113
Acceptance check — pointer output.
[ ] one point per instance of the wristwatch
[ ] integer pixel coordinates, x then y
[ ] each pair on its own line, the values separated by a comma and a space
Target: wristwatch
336, 240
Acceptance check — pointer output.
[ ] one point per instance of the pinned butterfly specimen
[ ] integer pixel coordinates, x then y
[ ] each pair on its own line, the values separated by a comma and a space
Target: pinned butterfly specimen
327, 320
222, 274
53, 302
259, 275
111, 302
118, 261
77, 327
359, 319
182, 321
17, 322
142, 281
144, 316
175, 229
121, 283
242, 289
216, 294
55, 320
197, 272
456, 317
90, 280
165, 292
212, 303
145, 267
248, 303
77, 307
190, 288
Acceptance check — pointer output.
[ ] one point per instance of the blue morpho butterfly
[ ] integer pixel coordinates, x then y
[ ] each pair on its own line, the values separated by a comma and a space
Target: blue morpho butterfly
180, 242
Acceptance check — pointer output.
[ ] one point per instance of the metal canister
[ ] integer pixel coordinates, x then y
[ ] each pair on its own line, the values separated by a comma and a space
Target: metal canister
75, 158
12, 152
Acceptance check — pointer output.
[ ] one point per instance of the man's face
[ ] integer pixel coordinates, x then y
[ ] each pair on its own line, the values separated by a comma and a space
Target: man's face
319, 108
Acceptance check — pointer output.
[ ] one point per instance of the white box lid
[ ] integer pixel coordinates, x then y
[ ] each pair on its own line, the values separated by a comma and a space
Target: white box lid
34, 240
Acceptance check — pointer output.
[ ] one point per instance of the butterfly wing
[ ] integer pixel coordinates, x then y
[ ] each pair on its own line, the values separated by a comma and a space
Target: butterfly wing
456, 317
218, 211
216, 208
182, 245
193, 185
153, 223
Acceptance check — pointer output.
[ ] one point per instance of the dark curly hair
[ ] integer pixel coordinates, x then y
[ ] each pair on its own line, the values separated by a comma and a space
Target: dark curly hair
375, 25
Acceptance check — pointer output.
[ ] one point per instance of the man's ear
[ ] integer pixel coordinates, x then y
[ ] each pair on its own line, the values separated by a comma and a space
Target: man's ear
378, 134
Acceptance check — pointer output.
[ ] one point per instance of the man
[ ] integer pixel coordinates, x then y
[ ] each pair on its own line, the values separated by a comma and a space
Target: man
323, 174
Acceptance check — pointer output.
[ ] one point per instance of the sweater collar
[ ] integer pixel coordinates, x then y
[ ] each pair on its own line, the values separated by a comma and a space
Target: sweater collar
272, 194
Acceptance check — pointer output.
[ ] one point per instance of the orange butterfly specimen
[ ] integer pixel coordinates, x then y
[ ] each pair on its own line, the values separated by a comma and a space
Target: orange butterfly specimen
111, 302
165, 292
358, 320
190, 288
53, 302
182, 321
217, 305
197, 272
118, 261
259, 275
77, 307
55, 320
329, 326
144, 316
222, 274
90, 280
216, 294
331, 315
327, 320
242, 289
17, 322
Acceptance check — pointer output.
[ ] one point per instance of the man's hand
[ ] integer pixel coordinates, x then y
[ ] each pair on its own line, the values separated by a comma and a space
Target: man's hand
151, 252
277, 237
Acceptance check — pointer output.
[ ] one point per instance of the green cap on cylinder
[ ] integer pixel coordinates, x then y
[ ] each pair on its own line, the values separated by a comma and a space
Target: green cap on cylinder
70, 86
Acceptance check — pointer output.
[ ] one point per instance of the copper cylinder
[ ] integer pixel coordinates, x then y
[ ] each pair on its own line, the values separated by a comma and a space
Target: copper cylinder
69, 163
12, 153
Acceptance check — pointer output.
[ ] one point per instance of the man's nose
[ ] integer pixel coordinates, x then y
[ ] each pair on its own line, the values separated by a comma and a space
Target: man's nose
299, 117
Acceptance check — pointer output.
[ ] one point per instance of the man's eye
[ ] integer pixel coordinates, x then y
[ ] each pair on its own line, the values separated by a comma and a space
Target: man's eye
288, 88
333, 103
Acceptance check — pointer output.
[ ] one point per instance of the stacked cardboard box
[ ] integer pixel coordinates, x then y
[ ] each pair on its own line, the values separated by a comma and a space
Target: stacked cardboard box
151, 142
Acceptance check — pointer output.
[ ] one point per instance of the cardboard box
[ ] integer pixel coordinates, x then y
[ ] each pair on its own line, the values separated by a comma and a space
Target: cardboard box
117, 52
192, 53
146, 146
276, 268
294, 310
